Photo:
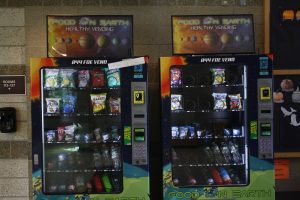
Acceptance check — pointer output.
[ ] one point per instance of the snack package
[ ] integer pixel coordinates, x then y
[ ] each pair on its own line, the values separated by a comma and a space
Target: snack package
97, 133
61, 188
79, 132
69, 133
98, 78
175, 132
201, 133
51, 78
105, 136
97, 159
71, 188
98, 102
80, 184
68, 103
183, 132
113, 78
60, 134
52, 105
227, 132
88, 137
115, 133
89, 187
50, 135
235, 101
115, 105
219, 101
52, 188
218, 76
79, 136
67, 78
192, 132
83, 78
175, 76
236, 132
176, 102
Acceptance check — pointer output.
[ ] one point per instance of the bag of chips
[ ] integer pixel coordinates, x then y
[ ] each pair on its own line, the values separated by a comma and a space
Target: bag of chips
98, 78
115, 105
192, 132
183, 132
218, 76
236, 132
60, 134
227, 132
51, 78
220, 101
52, 105
50, 136
67, 78
175, 76
98, 102
113, 78
175, 132
97, 133
83, 78
235, 101
105, 136
88, 137
68, 103
176, 102
115, 133
70, 132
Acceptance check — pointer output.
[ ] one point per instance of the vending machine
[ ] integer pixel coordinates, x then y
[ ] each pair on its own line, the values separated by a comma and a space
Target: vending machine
89, 129
217, 127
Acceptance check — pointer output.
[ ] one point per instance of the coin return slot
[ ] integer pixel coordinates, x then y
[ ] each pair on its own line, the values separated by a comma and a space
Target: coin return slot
139, 116
265, 111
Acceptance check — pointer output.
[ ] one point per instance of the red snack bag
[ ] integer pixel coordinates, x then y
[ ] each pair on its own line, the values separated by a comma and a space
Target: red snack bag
98, 78
60, 134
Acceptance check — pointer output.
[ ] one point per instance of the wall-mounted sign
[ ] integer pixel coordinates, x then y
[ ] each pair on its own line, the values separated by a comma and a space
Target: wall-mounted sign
13, 84
90, 36
206, 34
286, 98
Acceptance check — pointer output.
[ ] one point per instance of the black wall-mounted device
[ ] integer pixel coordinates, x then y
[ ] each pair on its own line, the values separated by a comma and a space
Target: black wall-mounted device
8, 120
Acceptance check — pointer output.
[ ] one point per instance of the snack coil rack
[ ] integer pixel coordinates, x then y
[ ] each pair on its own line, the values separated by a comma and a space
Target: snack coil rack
208, 106
81, 128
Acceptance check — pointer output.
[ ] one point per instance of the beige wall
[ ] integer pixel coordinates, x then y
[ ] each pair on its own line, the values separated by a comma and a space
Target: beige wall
23, 35
14, 147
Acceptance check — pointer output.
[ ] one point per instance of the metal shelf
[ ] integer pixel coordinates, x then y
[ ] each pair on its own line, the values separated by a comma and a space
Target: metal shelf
83, 171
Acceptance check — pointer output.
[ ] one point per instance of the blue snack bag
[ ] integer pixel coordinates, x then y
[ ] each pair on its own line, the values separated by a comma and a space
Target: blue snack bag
68, 104
113, 78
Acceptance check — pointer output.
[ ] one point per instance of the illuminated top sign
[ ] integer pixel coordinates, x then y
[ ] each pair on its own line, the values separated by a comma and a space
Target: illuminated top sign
213, 34
90, 36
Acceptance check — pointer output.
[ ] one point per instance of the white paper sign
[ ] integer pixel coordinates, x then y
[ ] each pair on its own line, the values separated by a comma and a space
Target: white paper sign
127, 63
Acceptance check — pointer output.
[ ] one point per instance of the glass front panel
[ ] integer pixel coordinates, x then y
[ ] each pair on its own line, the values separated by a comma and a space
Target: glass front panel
82, 140
208, 125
